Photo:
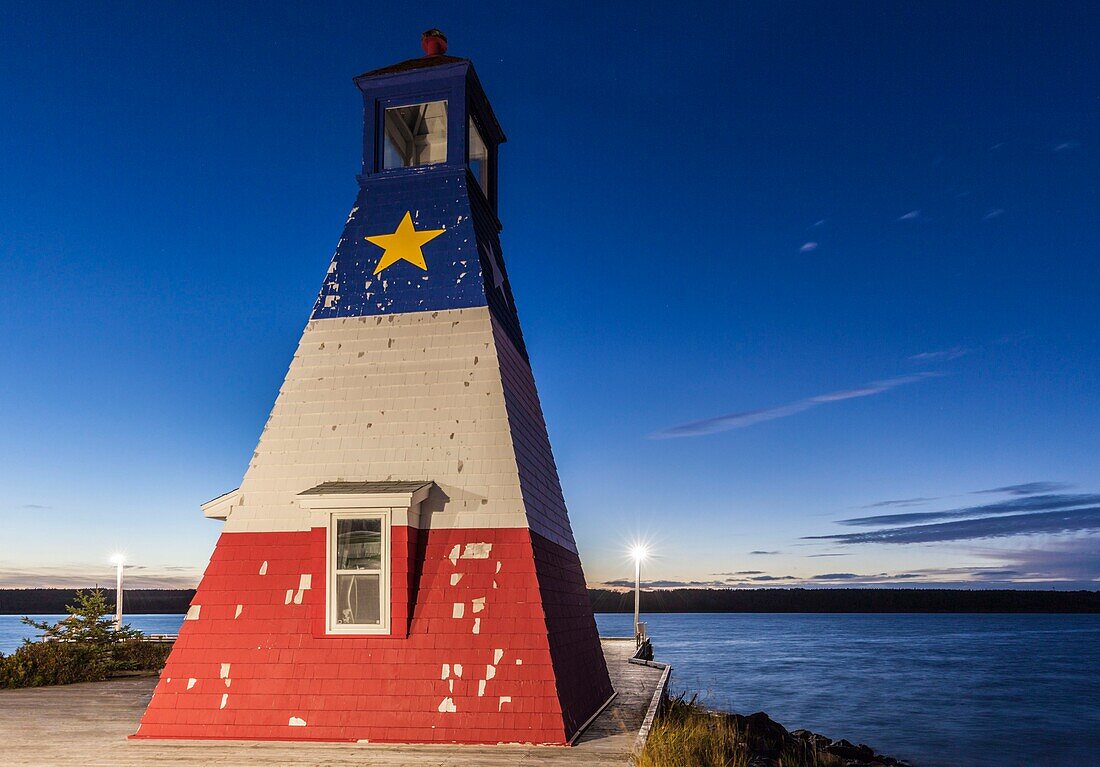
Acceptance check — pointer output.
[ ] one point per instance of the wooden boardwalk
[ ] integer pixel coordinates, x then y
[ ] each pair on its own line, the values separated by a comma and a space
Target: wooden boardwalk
85, 725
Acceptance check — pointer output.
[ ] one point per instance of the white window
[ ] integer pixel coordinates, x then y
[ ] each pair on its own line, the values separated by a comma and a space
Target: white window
359, 572
415, 135
479, 158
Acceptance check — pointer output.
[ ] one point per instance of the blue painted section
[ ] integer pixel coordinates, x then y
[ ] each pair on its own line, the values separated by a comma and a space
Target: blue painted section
465, 263
437, 199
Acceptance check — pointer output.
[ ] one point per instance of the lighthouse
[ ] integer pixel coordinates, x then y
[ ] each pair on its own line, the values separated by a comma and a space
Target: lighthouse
397, 564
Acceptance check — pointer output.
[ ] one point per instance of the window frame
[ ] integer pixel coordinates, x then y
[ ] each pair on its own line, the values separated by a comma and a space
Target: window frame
384, 586
474, 124
383, 104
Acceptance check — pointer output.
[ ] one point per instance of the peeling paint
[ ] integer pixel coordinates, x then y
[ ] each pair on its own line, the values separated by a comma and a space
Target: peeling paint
477, 551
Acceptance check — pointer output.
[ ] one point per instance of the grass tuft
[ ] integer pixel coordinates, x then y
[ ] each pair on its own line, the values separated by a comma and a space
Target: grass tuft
689, 735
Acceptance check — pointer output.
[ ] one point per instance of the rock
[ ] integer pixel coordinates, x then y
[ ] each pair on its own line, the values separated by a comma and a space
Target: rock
767, 740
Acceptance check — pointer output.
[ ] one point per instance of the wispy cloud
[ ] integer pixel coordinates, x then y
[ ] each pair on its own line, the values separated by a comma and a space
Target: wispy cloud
1073, 560
992, 214
899, 502
1028, 488
35, 506
668, 584
940, 355
751, 417
1067, 146
808, 247
1045, 522
831, 554
1048, 502
78, 577
763, 552
910, 216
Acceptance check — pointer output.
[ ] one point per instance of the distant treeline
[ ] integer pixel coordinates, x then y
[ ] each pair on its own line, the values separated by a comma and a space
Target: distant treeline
51, 601
847, 601
54, 601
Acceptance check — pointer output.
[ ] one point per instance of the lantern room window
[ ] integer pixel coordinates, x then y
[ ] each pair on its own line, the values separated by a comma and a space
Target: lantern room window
479, 158
415, 135
358, 573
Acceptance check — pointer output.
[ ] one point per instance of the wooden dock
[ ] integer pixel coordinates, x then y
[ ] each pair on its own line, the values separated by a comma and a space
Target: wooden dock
85, 725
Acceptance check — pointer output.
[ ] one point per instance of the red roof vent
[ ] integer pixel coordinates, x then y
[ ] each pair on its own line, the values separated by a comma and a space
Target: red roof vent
433, 42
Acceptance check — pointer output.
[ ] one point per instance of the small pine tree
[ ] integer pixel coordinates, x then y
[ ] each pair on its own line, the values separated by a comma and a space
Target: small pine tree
86, 621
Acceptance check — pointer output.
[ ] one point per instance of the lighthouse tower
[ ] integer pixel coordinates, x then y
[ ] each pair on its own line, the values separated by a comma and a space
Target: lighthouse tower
397, 564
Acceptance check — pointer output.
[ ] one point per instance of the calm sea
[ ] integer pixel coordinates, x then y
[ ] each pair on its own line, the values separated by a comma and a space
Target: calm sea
939, 690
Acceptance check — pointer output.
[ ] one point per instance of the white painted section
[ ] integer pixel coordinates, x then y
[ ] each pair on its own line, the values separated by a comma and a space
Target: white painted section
447, 706
455, 578
458, 610
490, 672
296, 722
193, 613
479, 604
224, 671
225, 699
289, 596
400, 397
480, 688
263, 568
191, 682
497, 655
458, 669
477, 626
237, 613
503, 699
446, 670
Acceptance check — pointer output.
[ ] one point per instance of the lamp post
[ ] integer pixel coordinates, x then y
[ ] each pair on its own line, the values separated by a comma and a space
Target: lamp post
118, 560
639, 553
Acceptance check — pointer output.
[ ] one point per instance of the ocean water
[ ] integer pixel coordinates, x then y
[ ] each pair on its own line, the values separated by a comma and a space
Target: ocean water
938, 690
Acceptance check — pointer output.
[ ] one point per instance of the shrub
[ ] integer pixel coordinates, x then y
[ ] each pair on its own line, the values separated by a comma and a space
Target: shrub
43, 663
139, 655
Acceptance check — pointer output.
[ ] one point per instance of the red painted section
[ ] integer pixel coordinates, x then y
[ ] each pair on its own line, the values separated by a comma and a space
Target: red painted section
579, 668
282, 666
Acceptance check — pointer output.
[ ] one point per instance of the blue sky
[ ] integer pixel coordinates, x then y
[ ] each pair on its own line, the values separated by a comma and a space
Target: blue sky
780, 266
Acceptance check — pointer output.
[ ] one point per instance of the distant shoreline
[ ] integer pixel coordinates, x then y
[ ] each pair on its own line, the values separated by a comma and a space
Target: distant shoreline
773, 600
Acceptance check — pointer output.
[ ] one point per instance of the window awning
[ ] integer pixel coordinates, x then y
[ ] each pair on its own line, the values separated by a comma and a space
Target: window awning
405, 495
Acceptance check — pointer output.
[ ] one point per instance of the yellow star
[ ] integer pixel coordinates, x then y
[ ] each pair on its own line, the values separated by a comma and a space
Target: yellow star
404, 244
